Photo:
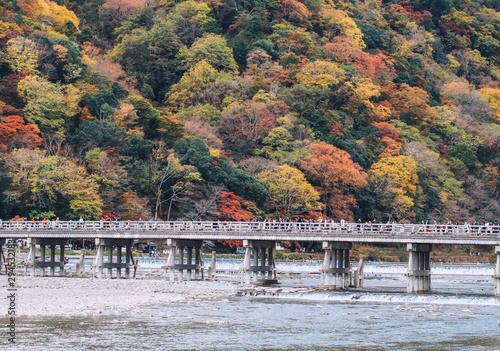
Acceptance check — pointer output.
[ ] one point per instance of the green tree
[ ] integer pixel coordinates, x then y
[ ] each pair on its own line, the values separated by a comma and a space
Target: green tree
49, 106
211, 48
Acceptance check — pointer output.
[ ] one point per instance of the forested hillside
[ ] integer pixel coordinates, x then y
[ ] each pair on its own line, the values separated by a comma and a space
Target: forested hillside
245, 108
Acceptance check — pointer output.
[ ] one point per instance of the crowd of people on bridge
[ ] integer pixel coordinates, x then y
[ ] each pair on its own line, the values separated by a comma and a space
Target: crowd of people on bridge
311, 224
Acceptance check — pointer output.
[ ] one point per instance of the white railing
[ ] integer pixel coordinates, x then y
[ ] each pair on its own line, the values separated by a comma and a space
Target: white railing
246, 227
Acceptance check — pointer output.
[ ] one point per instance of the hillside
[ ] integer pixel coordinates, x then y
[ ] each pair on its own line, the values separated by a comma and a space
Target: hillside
386, 110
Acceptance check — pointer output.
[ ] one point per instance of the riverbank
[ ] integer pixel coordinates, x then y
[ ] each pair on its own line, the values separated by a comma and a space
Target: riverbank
66, 296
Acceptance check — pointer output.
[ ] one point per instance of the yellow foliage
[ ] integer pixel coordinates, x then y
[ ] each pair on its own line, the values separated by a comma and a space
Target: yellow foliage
338, 23
22, 55
492, 95
401, 171
8, 28
363, 89
289, 190
50, 11
319, 73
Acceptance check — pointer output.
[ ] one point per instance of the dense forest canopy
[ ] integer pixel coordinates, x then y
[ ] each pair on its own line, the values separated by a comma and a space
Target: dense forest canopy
375, 109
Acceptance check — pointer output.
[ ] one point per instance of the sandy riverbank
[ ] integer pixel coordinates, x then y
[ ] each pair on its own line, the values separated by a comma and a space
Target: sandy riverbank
58, 296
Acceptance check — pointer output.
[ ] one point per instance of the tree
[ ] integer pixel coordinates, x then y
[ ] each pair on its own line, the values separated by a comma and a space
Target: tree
147, 56
52, 183
217, 170
15, 133
463, 153
211, 48
172, 182
338, 23
230, 207
22, 55
244, 124
40, 10
48, 105
191, 88
412, 103
109, 174
319, 73
289, 192
335, 177
394, 180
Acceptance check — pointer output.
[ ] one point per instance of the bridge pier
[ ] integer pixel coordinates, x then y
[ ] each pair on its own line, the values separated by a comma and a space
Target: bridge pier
258, 266
184, 249
335, 271
118, 264
496, 277
52, 263
419, 272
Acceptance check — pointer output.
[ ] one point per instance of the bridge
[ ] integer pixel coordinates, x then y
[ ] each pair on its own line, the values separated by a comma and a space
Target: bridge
185, 238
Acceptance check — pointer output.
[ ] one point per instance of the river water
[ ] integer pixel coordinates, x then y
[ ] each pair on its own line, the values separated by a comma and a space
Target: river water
460, 313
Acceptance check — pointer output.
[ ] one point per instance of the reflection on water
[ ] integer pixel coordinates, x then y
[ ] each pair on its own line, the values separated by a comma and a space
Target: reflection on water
459, 314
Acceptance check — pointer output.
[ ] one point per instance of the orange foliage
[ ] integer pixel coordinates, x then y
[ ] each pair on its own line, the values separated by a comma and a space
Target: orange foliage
229, 207
390, 138
334, 174
412, 103
15, 133
345, 50
293, 10
48, 10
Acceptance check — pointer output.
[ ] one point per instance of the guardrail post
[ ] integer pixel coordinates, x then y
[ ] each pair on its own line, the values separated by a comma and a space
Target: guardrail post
419, 272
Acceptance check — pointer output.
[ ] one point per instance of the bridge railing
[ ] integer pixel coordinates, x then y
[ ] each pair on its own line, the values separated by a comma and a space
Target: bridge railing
246, 227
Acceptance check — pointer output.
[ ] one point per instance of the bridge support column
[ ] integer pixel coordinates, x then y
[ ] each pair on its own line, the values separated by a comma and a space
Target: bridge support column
184, 249
419, 272
496, 277
335, 272
118, 264
258, 266
52, 263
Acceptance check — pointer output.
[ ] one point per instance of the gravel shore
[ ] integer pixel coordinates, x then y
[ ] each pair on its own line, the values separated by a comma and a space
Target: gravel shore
72, 296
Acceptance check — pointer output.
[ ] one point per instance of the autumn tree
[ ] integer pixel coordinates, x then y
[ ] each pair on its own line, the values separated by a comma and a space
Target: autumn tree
394, 181
58, 15
48, 105
15, 133
289, 192
172, 182
230, 207
21, 55
52, 183
335, 177
412, 103
319, 73
244, 124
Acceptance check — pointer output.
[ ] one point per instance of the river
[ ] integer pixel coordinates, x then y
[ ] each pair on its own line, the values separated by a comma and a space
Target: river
460, 313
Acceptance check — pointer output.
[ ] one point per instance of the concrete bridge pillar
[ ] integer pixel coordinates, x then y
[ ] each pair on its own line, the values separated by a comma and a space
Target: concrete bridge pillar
188, 262
118, 263
43, 263
496, 277
419, 272
335, 271
258, 266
